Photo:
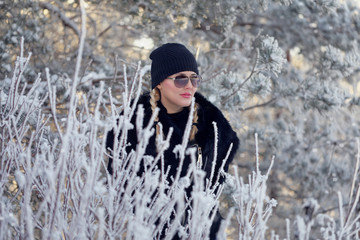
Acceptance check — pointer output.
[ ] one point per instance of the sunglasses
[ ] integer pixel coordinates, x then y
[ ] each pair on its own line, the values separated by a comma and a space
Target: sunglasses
182, 80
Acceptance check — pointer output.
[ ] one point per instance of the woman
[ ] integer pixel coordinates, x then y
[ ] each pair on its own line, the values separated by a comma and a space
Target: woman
175, 79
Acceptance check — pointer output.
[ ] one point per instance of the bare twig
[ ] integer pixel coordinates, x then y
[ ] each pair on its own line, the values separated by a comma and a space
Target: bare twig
77, 68
259, 105
66, 21
245, 81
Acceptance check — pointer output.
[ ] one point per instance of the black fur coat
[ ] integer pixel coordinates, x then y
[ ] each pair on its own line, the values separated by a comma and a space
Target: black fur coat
205, 137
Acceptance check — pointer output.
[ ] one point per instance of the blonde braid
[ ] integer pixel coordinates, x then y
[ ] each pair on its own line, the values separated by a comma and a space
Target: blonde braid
154, 98
194, 128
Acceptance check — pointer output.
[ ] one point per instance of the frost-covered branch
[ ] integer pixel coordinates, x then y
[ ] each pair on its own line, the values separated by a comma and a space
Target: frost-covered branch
66, 21
253, 207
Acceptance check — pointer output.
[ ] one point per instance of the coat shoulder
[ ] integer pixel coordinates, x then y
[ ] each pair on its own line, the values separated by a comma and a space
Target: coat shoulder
226, 136
211, 112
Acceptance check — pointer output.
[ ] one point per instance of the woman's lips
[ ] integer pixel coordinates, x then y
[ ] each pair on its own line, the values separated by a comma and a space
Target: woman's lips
186, 95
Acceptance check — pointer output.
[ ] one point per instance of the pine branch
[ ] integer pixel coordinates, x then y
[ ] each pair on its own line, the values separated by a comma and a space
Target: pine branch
259, 105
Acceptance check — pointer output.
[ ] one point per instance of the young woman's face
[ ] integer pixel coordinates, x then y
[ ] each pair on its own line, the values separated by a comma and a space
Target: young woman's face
174, 98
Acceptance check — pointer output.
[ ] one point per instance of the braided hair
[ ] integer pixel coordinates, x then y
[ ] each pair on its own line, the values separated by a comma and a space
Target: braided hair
155, 97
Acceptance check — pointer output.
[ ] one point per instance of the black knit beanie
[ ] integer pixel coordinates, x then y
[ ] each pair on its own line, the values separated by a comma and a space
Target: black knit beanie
169, 59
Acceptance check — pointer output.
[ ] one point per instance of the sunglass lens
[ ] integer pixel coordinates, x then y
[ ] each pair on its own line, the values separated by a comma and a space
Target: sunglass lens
180, 81
195, 81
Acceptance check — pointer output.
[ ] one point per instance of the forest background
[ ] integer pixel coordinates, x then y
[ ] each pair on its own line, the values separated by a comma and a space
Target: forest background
286, 71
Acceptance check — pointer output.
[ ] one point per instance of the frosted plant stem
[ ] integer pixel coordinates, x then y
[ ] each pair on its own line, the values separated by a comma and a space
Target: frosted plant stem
341, 215
126, 91
288, 229
353, 206
138, 74
354, 224
65, 150
27, 195
223, 165
72, 104
22, 67
257, 153
13, 96
185, 139
138, 92
355, 171
21, 47
52, 98
181, 149
215, 154
270, 167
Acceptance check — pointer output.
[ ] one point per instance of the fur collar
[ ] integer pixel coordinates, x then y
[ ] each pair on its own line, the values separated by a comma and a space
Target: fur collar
209, 115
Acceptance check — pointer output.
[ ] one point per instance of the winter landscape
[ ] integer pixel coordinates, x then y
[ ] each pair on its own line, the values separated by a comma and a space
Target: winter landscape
284, 72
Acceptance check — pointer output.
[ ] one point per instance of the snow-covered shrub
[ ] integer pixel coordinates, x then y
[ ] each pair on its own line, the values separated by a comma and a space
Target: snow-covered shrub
252, 205
53, 179
54, 184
